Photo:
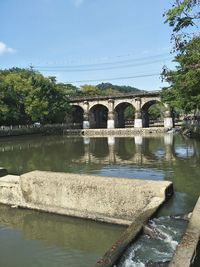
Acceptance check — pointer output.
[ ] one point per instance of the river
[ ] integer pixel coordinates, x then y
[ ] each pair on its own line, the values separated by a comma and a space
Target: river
30, 238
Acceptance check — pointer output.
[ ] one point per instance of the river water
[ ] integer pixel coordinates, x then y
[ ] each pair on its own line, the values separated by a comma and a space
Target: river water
30, 238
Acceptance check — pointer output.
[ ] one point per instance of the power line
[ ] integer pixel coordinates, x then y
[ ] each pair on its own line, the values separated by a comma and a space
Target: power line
102, 68
117, 78
107, 63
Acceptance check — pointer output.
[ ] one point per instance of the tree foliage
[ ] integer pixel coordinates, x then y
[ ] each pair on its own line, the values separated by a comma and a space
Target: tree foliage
184, 89
27, 96
129, 113
183, 15
156, 111
104, 89
108, 88
89, 90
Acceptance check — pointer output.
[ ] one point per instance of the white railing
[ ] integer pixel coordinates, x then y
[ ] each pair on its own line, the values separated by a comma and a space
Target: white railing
38, 125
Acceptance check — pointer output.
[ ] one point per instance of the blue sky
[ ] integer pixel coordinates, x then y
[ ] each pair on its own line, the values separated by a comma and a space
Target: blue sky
87, 41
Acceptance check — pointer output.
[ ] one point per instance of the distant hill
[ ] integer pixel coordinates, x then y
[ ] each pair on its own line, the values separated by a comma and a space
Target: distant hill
103, 89
120, 89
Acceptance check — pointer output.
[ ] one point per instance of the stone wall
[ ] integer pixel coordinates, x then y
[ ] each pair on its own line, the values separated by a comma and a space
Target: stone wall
123, 131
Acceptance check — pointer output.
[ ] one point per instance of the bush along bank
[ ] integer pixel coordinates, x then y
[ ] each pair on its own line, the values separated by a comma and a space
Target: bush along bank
192, 131
51, 129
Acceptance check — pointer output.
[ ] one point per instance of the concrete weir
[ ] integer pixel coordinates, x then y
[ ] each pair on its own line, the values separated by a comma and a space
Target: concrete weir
117, 132
106, 199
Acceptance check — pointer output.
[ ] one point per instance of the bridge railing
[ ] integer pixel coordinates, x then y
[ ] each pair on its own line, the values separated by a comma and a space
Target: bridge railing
98, 97
38, 125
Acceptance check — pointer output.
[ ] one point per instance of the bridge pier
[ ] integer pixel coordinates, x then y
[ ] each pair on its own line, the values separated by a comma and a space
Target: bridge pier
111, 120
86, 122
168, 120
86, 125
138, 114
111, 115
138, 123
138, 120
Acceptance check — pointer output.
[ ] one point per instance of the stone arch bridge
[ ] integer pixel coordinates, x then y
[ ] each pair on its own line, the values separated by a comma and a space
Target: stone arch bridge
108, 111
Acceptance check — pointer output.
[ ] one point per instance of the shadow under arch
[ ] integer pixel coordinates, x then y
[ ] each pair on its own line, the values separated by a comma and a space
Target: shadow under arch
98, 116
99, 148
146, 118
125, 148
77, 115
124, 115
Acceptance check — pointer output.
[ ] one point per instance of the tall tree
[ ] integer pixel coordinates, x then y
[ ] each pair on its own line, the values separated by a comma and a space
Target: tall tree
27, 96
46, 102
14, 89
90, 90
183, 91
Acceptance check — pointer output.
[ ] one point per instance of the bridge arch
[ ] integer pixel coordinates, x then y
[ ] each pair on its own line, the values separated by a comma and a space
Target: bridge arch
98, 116
145, 111
124, 114
77, 115
96, 103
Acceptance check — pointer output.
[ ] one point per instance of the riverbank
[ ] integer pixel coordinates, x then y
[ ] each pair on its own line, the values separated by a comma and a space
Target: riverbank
63, 129
192, 131
116, 132
55, 129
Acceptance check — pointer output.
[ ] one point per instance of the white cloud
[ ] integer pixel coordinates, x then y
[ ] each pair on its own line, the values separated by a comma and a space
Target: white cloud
4, 49
78, 2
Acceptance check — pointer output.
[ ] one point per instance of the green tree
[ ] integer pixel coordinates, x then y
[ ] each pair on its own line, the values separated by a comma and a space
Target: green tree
181, 16
184, 89
129, 113
156, 111
46, 102
27, 96
69, 89
14, 88
90, 90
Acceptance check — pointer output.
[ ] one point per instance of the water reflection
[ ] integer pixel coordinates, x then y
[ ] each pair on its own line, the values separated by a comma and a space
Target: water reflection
50, 240
166, 157
136, 150
30, 151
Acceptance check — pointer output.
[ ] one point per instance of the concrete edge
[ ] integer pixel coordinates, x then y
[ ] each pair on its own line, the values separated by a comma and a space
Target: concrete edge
79, 214
3, 172
186, 250
113, 255
117, 132
13, 194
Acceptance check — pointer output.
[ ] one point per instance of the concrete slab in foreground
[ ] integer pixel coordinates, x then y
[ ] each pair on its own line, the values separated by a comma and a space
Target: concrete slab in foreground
107, 199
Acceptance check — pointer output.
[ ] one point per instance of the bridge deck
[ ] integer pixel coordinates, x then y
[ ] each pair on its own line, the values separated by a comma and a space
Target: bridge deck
90, 98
